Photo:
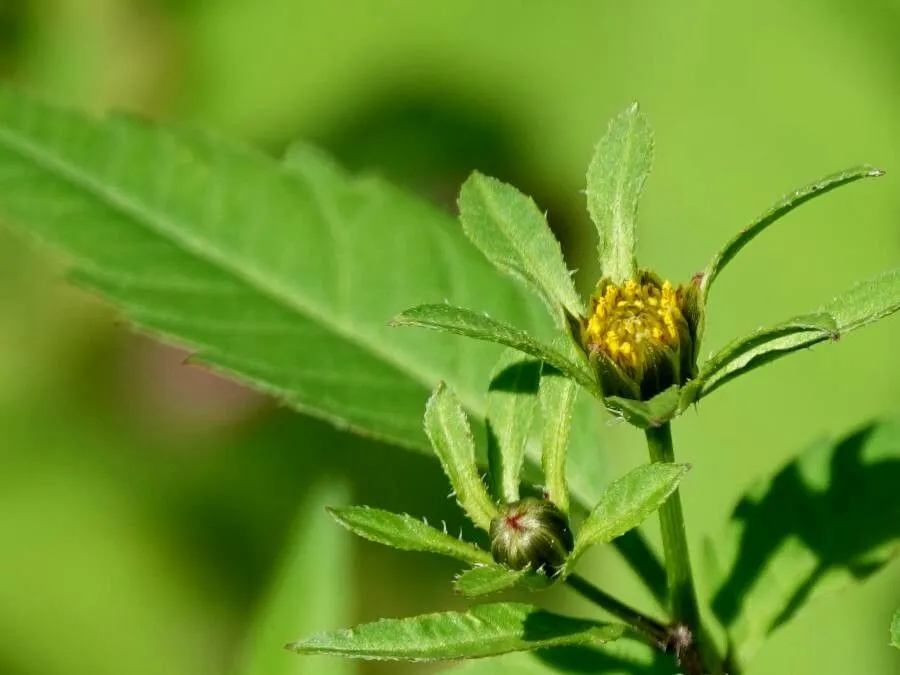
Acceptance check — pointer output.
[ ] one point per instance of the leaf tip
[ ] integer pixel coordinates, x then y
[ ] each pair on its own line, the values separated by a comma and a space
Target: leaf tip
875, 172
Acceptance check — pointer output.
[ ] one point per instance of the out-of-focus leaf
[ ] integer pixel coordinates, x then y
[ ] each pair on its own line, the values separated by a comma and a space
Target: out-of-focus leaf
864, 303
265, 270
488, 579
514, 235
512, 399
311, 590
615, 180
471, 324
781, 208
557, 395
402, 531
486, 630
625, 504
895, 630
646, 414
827, 520
450, 435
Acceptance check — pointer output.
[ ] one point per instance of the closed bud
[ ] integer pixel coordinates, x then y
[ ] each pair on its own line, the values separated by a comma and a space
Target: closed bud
641, 336
531, 533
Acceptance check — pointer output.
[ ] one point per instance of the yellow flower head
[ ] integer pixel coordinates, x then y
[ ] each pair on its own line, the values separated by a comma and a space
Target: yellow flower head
640, 335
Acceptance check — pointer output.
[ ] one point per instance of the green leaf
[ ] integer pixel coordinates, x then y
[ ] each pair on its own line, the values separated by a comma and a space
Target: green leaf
486, 630
448, 429
781, 208
407, 533
265, 270
625, 504
863, 304
311, 589
615, 180
514, 235
471, 324
895, 630
557, 395
829, 519
487, 579
646, 414
764, 345
512, 398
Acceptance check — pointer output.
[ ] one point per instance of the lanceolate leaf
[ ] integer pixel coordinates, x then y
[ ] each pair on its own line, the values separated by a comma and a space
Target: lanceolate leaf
557, 396
450, 435
784, 206
486, 630
495, 578
283, 276
311, 590
829, 519
474, 325
407, 533
513, 234
512, 399
865, 303
744, 354
626, 503
615, 180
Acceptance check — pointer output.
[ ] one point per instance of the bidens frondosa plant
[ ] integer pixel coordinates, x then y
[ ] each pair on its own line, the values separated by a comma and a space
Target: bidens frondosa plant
635, 345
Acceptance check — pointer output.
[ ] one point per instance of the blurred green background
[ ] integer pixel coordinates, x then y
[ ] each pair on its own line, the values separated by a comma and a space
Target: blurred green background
144, 503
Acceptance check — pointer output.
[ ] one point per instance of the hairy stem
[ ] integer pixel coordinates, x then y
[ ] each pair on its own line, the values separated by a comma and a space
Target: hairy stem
656, 633
693, 648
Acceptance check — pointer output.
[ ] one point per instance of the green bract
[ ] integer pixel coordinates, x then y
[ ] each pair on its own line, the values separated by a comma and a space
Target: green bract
636, 347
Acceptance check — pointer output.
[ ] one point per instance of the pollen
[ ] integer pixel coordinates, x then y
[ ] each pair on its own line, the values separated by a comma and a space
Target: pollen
632, 319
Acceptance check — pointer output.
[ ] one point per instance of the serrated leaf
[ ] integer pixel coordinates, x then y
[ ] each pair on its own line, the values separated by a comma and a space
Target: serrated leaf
895, 630
829, 519
309, 590
407, 533
615, 180
512, 399
557, 395
646, 414
486, 630
625, 504
471, 324
781, 208
766, 344
864, 303
488, 579
514, 235
265, 270
451, 437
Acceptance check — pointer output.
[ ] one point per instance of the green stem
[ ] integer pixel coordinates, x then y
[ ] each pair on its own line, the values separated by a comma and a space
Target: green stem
682, 594
656, 633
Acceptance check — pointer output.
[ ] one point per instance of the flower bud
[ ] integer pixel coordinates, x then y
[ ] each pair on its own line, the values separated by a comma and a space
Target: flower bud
531, 533
641, 336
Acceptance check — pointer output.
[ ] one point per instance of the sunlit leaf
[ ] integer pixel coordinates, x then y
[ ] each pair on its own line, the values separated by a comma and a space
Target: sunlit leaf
615, 180
513, 234
864, 303
471, 324
625, 504
646, 414
829, 519
895, 630
486, 630
557, 397
407, 533
450, 435
488, 579
310, 590
781, 208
